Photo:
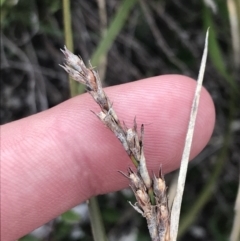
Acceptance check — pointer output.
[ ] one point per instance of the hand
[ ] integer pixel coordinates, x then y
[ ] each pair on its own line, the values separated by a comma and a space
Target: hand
54, 160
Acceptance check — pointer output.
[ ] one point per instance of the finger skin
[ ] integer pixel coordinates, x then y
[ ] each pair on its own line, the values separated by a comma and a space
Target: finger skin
57, 159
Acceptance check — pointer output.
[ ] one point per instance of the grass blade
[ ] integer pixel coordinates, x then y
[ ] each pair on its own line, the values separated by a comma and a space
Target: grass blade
175, 212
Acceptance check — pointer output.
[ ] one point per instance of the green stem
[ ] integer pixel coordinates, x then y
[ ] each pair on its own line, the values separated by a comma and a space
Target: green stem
96, 220
115, 27
75, 87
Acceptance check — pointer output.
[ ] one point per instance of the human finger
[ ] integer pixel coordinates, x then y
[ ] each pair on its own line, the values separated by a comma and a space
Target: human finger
56, 159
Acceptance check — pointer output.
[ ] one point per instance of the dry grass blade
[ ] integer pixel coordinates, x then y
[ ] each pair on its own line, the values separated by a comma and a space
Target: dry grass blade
175, 212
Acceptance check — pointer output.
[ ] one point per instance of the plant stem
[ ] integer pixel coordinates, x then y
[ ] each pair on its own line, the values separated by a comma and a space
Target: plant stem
115, 27
75, 88
96, 220
176, 207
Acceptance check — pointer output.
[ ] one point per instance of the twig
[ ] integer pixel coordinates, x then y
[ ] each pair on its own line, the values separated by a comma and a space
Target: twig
175, 212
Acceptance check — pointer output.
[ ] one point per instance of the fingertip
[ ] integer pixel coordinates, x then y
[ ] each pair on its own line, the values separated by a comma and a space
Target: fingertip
164, 105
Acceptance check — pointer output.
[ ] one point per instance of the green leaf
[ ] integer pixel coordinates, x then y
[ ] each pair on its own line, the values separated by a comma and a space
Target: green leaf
113, 30
70, 216
28, 238
215, 52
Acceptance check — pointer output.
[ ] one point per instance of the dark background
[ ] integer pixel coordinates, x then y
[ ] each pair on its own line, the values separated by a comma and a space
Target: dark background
159, 37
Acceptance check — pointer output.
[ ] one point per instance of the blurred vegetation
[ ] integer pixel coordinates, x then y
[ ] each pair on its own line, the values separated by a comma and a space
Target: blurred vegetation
127, 41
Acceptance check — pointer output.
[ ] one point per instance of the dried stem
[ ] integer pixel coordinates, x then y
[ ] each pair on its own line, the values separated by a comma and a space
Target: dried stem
175, 212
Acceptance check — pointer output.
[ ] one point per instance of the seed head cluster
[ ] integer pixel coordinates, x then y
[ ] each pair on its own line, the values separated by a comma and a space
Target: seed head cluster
150, 192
